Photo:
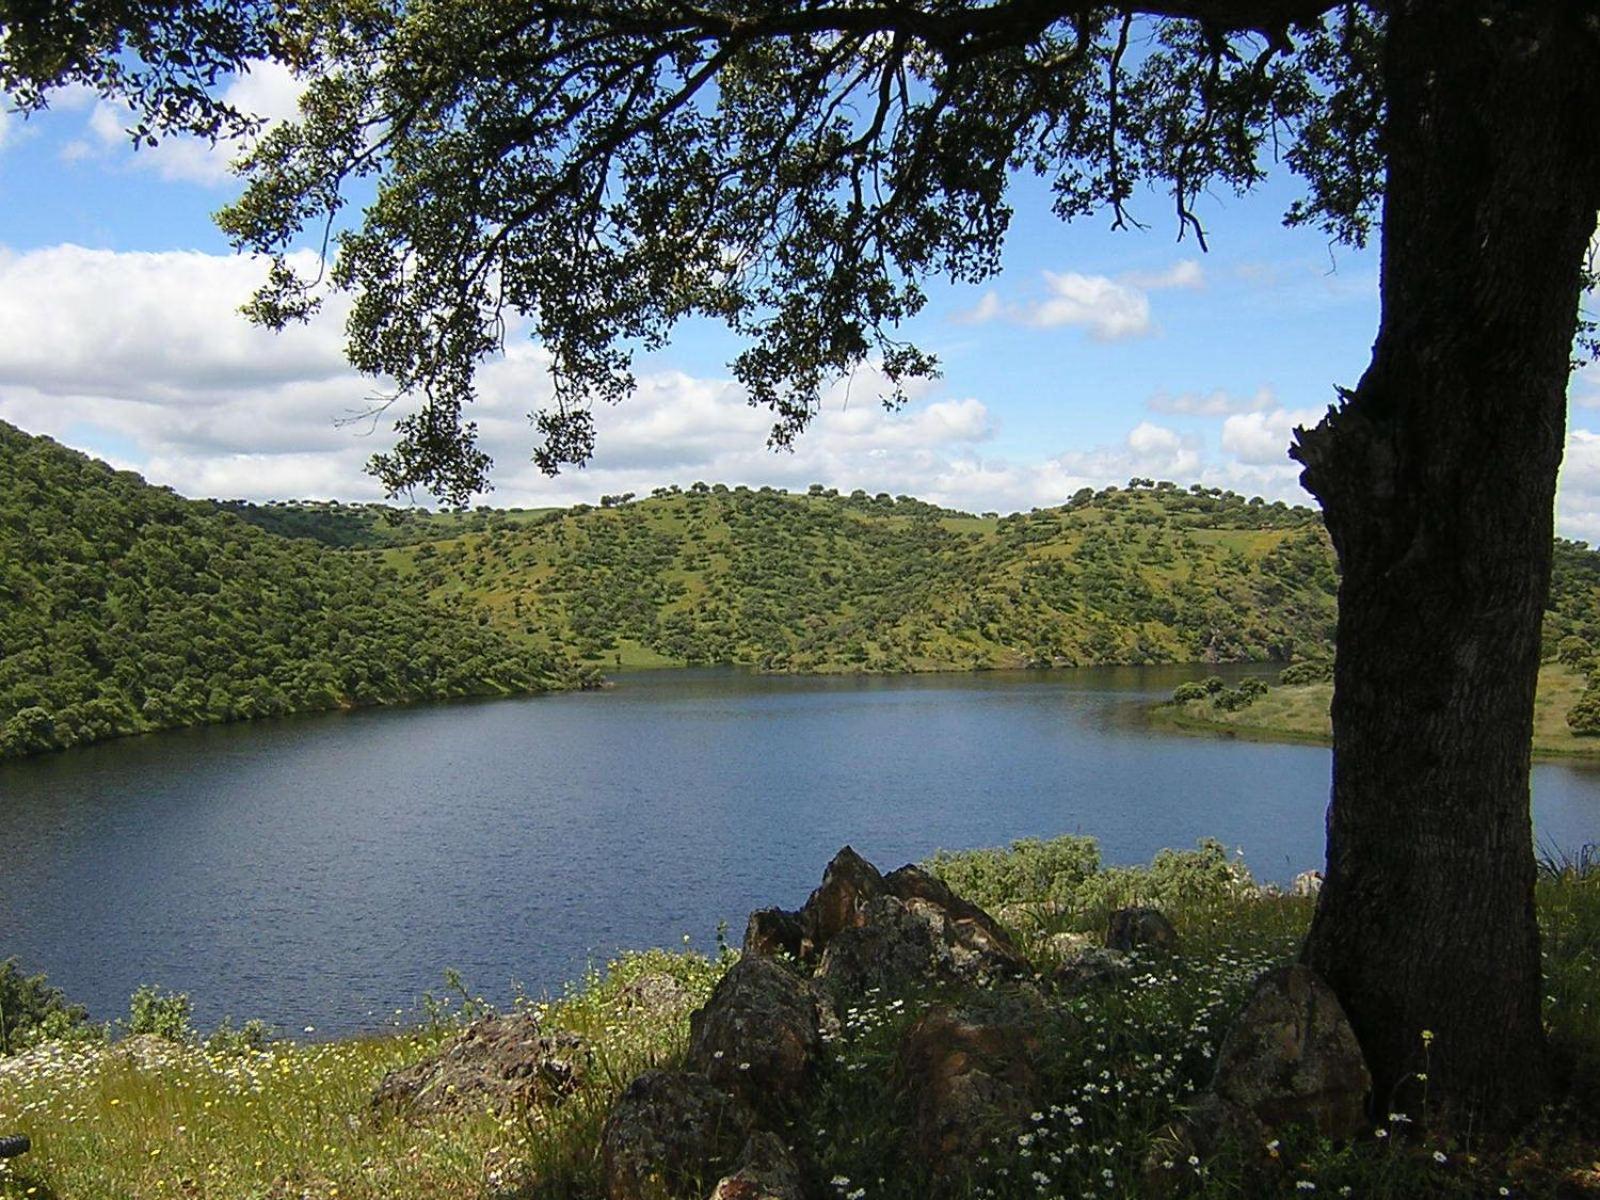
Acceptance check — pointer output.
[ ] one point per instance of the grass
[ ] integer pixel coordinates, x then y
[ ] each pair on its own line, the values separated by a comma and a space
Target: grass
1300, 713
152, 1118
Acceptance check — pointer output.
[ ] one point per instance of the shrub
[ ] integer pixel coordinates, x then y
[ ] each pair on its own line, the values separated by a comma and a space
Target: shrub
1213, 684
164, 1014
1186, 692
1583, 718
31, 1011
1316, 670
1030, 870
1573, 650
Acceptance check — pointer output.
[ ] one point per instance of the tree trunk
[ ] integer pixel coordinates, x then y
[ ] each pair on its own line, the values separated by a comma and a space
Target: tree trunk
1437, 478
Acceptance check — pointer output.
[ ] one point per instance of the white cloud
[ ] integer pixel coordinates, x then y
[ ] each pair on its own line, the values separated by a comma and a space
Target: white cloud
987, 309
7, 119
1185, 273
1262, 438
266, 89
1107, 309
1217, 403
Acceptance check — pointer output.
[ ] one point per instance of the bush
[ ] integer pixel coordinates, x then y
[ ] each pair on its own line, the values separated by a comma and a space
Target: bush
1316, 670
1573, 650
1253, 686
1186, 692
1583, 718
1213, 684
1029, 871
31, 1011
1233, 699
164, 1014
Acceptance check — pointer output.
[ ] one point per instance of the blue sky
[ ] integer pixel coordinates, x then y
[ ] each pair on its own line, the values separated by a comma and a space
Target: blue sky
1094, 356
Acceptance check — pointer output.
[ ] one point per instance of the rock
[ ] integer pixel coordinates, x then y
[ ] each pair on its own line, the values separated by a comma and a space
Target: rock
499, 1063
892, 949
1292, 1058
759, 1035
1145, 928
1307, 883
970, 1076
1089, 967
767, 1171
974, 942
654, 993
848, 885
774, 931
1208, 1125
1064, 945
670, 1132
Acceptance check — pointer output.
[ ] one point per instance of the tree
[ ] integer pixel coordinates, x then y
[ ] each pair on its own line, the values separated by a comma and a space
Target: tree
606, 168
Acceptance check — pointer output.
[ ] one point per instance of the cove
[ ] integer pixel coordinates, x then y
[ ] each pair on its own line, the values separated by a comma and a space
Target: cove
324, 871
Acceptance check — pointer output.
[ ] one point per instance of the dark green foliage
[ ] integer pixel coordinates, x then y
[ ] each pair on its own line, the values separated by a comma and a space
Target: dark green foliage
125, 608
1186, 692
31, 1010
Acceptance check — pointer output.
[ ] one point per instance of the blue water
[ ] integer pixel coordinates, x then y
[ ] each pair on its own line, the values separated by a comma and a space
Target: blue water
324, 871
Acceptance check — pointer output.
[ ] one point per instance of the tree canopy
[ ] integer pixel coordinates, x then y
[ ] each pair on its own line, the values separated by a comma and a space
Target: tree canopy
606, 170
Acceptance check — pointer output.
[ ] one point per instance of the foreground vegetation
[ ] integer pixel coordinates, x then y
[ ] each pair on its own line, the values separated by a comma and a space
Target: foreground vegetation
125, 608
164, 1114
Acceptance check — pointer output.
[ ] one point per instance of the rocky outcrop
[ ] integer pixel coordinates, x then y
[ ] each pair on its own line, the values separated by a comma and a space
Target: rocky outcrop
1089, 967
759, 1035
767, 1171
498, 1063
755, 1046
670, 1133
970, 1076
772, 932
861, 929
1140, 928
1292, 1058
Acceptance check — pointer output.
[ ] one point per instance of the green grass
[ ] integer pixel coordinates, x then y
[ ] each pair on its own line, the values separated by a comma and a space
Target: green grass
1300, 713
154, 1119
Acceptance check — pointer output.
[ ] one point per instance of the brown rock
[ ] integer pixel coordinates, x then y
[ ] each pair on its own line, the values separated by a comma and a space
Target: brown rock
668, 1134
974, 943
774, 931
848, 885
970, 1076
767, 1171
499, 1063
1142, 928
892, 949
1088, 967
1292, 1058
759, 1035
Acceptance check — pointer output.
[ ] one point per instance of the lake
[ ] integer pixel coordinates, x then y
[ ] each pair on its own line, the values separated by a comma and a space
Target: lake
325, 870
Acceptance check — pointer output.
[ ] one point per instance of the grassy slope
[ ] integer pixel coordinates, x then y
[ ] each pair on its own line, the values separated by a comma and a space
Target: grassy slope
819, 583
159, 1120
1301, 714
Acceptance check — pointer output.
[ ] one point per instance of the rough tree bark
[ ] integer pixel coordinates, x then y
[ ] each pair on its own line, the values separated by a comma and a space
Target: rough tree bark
1437, 479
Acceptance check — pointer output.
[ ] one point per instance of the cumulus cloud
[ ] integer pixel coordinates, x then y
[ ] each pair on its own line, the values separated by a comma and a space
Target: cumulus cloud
1216, 403
1262, 438
1109, 309
265, 89
144, 359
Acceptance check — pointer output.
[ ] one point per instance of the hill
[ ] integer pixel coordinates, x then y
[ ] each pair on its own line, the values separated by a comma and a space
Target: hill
126, 608
830, 582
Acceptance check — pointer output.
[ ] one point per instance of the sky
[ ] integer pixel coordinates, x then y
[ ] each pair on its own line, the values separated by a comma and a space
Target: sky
1095, 356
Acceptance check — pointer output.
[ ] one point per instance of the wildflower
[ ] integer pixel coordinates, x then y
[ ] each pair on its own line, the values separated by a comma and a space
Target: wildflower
1439, 1156
1305, 1185
1427, 1036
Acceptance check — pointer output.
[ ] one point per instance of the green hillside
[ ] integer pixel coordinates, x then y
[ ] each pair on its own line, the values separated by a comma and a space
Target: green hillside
126, 608
826, 582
